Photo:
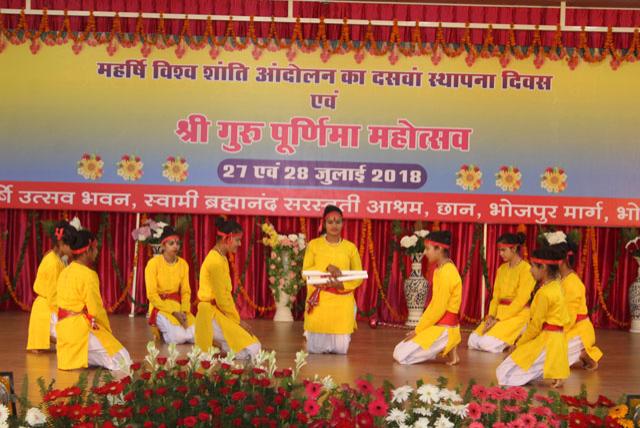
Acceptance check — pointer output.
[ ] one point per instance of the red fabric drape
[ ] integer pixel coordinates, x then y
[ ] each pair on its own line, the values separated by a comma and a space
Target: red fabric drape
433, 13
202, 234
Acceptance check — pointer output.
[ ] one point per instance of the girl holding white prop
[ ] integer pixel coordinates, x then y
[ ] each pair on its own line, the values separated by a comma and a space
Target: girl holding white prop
438, 331
329, 319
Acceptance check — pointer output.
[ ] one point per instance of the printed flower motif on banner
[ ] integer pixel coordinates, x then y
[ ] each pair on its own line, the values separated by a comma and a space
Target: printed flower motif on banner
554, 180
469, 177
508, 178
175, 169
130, 167
90, 166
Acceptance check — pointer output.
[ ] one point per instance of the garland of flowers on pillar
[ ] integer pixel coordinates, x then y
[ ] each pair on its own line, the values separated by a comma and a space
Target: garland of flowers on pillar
230, 41
11, 283
238, 279
477, 234
598, 283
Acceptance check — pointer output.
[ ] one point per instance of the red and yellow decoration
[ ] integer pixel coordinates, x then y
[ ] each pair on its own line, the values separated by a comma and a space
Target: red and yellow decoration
130, 167
554, 180
175, 169
508, 178
91, 166
469, 177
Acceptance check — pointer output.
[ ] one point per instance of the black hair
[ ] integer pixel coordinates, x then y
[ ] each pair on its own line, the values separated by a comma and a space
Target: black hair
227, 226
80, 239
166, 232
516, 239
66, 231
328, 210
441, 237
550, 253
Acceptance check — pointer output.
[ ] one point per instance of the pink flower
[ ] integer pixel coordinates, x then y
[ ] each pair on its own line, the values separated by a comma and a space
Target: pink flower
476, 425
311, 407
488, 408
499, 425
272, 280
541, 425
512, 409
496, 393
516, 424
528, 420
378, 408
313, 389
541, 411
474, 411
479, 392
517, 393
365, 386
543, 399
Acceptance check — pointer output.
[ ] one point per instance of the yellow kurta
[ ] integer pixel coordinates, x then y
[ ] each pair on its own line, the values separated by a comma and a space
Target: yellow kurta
548, 306
574, 293
514, 284
45, 303
335, 313
161, 277
79, 290
216, 303
446, 297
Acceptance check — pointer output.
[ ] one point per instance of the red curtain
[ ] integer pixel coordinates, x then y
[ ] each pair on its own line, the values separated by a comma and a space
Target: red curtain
434, 13
116, 240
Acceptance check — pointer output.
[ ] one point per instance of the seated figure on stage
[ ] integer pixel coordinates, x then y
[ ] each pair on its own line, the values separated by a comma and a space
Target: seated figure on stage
509, 309
330, 316
438, 331
84, 333
167, 281
541, 351
44, 312
581, 336
217, 318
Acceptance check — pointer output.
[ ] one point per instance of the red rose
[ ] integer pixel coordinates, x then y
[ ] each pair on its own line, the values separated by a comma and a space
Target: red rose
161, 360
269, 410
302, 418
258, 370
148, 393
250, 408
108, 424
287, 372
182, 362
148, 424
203, 416
225, 366
182, 389
237, 396
177, 404
205, 364
198, 375
231, 382
284, 414
182, 375
190, 421
295, 404
143, 410
194, 401
160, 410
254, 381
161, 374
278, 373
265, 382
146, 376
237, 422
237, 371
229, 410
278, 399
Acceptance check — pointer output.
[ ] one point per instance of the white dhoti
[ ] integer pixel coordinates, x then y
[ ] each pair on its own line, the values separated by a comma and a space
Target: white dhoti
575, 350
172, 333
510, 374
249, 352
99, 357
52, 325
321, 343
486, 343
410, 352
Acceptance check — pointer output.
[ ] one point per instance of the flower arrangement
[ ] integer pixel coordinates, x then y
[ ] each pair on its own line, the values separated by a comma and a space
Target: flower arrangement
414, 243
208, 389
633, 241
284, 261
554, 180
151, 230
175, 169
469, 177
508, 178
130, 167
90, 166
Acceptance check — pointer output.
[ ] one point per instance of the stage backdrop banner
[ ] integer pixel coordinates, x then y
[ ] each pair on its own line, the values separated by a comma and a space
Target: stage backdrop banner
279, 135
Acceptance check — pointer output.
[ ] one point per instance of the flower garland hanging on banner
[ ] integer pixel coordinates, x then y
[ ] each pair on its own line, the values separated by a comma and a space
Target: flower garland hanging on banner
392, 48
11, 284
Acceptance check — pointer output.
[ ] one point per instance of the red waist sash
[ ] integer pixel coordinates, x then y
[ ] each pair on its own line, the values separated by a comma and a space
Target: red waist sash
153, 318
314, 299
63, 313
552, 327
581, 317
449, 319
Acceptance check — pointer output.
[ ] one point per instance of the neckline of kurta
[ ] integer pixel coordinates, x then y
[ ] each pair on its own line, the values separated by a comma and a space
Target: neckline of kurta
332, 244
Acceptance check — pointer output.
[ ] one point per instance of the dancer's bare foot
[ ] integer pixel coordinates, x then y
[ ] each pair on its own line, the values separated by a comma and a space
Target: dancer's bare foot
454, 359
557, 383
587, 363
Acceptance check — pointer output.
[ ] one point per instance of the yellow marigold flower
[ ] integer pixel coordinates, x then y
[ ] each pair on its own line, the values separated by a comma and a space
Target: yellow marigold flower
625, 423
619, 411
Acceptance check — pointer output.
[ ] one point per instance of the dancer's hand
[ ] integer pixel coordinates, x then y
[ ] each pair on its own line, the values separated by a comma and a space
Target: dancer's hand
410, 335
489, 323
181, 317
508, 350
334, 271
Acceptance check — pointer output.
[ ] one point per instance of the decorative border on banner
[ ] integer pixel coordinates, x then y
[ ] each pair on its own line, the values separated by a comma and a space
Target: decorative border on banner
477, 208
295, 42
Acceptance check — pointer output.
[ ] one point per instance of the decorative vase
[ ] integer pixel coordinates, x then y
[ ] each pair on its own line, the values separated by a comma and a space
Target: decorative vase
415, 291
634, 302
156, 249
282, 299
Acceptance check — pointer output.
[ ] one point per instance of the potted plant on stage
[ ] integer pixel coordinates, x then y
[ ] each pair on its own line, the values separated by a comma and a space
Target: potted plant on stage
151, 231
415, 286
633, 246
284, 263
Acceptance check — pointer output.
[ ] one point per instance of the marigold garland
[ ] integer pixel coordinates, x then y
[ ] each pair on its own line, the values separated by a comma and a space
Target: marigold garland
230, 40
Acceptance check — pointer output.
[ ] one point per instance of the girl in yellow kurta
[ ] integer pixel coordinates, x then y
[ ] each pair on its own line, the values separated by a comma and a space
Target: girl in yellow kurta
509, 309
580, 335
167, 281
330, 316
541, 351
84, 332
43, 318
438, 331
217, 318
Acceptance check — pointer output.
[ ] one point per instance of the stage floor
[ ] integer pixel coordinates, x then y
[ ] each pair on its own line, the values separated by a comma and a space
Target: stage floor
370, 353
